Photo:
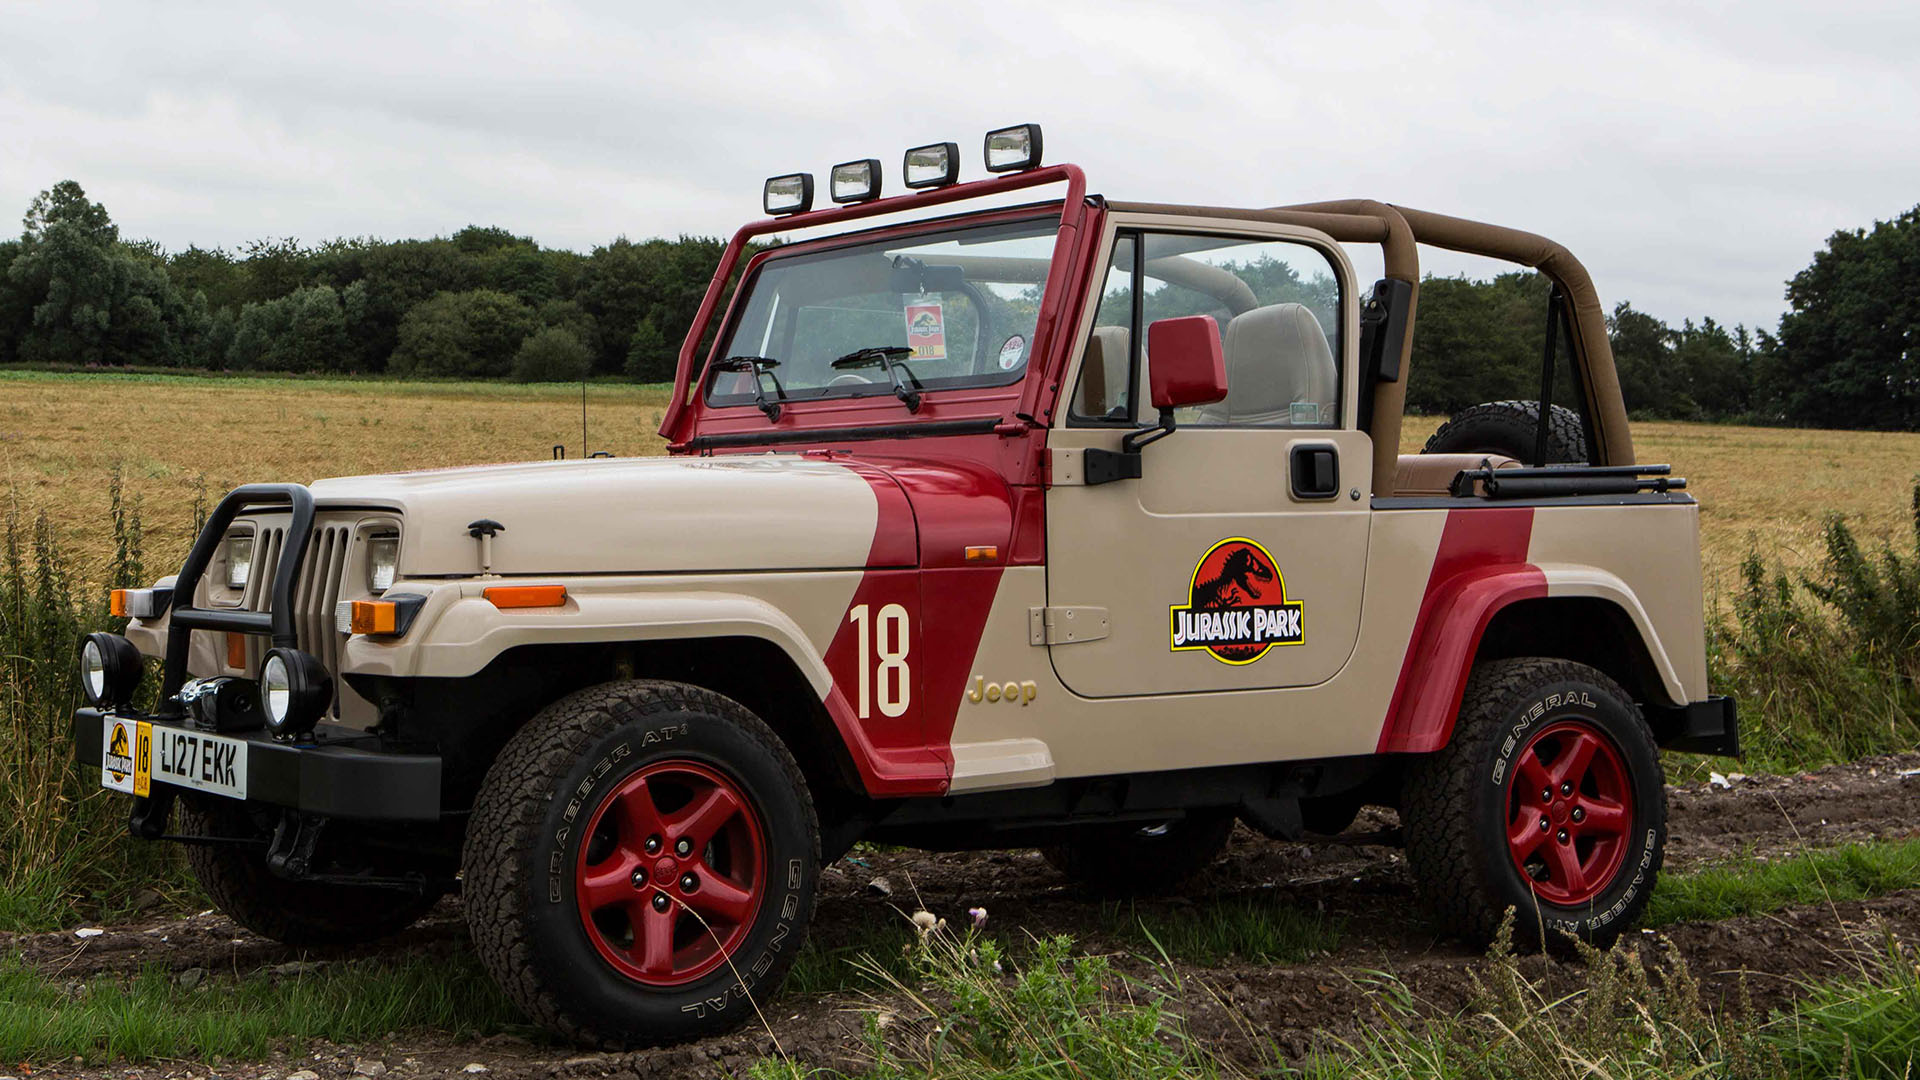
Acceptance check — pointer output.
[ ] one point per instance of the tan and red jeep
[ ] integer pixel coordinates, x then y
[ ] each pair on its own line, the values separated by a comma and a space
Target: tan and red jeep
1077, 523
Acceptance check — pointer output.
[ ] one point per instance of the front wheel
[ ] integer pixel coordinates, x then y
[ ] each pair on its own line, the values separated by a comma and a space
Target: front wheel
641, 864
1550, 799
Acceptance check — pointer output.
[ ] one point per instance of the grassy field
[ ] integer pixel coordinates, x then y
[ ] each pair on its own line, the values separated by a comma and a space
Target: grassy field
60, 435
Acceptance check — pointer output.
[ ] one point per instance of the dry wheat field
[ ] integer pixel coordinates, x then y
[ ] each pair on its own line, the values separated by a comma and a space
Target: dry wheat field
62, 435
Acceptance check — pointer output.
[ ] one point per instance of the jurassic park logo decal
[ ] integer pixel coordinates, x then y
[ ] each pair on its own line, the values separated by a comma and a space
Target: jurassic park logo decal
1237, 606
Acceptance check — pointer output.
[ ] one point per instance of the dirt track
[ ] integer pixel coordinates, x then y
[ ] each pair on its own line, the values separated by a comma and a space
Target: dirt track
1363, 886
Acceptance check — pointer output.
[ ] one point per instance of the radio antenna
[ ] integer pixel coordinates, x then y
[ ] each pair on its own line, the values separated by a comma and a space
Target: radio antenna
584, 452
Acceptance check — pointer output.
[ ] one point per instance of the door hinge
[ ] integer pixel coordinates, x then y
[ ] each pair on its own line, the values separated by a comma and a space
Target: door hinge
1065, 625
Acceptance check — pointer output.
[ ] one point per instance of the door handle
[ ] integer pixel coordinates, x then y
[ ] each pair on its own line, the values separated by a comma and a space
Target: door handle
1314, 471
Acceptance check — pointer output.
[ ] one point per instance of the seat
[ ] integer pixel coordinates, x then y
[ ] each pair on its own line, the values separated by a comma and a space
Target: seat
1432, 474
1103, 374
1277, 357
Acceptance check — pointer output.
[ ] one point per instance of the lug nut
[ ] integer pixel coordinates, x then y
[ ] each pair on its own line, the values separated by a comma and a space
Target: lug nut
1545, 824
1546, 794
683, 847
660, 902
688, 883
1566, 788
1578, 814
1562, 837
653, 845
640, 878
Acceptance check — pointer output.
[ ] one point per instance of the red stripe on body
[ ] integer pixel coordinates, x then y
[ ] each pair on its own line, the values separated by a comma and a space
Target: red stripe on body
929, 515
1481, 566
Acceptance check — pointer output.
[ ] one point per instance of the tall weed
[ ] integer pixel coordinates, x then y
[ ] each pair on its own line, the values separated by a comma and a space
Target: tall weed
1826, 668
63, 851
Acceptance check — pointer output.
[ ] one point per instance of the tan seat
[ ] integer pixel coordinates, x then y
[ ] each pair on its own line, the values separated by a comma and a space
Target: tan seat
1277, 357
1432, 474
1103, 375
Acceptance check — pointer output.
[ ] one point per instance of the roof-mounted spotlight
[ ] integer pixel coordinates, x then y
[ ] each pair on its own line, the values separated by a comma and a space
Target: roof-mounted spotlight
789, 194
933, 165
1013, 149
856, 181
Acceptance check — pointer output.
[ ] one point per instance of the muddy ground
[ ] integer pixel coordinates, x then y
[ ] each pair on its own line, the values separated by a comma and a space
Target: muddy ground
1360, 883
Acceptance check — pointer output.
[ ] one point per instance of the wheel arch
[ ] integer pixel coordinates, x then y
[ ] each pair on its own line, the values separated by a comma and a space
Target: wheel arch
1577, 614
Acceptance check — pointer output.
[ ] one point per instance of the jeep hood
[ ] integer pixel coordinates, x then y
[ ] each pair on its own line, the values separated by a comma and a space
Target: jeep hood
635, 515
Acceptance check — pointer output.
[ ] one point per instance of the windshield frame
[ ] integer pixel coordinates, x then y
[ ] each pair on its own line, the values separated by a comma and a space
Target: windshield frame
1043, 215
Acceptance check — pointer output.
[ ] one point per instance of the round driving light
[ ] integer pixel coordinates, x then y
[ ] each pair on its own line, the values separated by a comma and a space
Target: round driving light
295, 691
110, 669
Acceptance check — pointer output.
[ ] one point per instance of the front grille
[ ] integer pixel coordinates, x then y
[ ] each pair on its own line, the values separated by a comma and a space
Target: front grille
315, 590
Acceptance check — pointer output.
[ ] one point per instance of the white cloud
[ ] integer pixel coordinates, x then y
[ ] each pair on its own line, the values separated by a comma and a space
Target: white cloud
1694, 156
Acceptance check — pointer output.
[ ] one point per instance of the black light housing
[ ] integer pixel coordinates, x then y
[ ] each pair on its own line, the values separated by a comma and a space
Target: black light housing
855, 181
110, 669
932, 165
295, 691
789, 194
1013, 149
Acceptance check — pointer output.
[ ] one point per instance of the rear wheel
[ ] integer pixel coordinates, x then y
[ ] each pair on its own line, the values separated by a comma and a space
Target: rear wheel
1549, 799
238, 882
1135, 861
640, 865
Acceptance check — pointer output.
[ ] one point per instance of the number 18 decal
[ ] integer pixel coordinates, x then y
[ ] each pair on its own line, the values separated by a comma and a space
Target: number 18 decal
887, 641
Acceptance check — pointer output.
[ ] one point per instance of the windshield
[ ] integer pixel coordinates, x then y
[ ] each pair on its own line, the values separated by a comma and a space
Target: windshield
963, 300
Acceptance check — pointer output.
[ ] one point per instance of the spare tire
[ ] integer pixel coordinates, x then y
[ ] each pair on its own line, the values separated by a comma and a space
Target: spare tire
1511, 428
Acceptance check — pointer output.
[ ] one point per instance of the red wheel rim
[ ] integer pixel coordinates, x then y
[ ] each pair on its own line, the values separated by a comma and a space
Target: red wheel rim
684, 832
1569, 812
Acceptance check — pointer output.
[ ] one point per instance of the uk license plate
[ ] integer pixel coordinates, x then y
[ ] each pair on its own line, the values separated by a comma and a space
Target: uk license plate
134, 754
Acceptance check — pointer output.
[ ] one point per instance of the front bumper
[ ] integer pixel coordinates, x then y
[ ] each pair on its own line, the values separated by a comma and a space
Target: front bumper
342, 773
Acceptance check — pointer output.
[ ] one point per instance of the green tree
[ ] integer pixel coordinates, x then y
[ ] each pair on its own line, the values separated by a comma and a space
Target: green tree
552, 355
1848, 352
650, 356
463, 335
92, 299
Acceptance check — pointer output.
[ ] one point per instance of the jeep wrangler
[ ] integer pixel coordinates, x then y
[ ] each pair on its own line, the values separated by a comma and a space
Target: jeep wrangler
1078, 524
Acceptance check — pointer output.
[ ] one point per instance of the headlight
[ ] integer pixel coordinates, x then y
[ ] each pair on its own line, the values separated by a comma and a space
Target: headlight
382, 553
110, 669
295, 690
239, 561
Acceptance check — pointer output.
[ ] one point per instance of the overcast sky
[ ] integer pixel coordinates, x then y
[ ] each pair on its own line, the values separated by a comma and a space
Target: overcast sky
1693, 155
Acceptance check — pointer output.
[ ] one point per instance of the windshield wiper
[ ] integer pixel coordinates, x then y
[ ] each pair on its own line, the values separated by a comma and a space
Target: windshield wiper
758, 366
889, 357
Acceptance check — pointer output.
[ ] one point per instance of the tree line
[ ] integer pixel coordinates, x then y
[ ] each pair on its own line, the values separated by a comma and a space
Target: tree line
485, 303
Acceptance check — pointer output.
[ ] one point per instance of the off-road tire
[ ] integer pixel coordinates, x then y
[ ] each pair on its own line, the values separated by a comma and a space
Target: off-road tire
1131, 861
1455, 806
238, 882
1509, 428
524, 839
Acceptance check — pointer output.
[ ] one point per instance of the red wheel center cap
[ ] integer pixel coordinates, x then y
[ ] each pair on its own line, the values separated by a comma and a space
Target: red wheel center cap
665, 871
1559, 813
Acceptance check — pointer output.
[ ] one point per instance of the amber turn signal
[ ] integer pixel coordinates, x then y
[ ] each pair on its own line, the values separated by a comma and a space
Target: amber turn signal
117, 603
983, 553
526, 596
236, 650
374, 617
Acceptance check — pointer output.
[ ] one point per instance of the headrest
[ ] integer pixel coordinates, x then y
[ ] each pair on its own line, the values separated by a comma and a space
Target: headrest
1276, 356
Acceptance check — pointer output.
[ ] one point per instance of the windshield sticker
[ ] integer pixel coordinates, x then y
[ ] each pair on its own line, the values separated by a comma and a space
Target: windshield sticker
1012, 351
927, 331
1303, 413
1237, 606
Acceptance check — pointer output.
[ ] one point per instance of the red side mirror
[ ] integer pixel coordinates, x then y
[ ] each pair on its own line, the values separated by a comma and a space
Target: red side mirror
1185, 364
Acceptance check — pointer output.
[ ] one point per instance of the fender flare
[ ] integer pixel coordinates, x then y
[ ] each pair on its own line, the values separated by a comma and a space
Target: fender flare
456, 635
1454, 618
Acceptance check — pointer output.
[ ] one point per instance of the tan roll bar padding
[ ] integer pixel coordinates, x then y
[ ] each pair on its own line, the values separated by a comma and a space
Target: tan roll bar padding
1398, 229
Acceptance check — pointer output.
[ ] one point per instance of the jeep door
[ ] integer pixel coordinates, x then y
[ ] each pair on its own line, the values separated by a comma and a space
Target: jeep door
1237, 559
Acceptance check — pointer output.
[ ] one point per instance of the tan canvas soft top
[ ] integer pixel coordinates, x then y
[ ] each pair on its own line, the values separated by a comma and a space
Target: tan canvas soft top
1398, 229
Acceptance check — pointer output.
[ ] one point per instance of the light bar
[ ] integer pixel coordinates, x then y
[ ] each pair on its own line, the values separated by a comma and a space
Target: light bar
933, 165
856, 181
1013, 149
789, 194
